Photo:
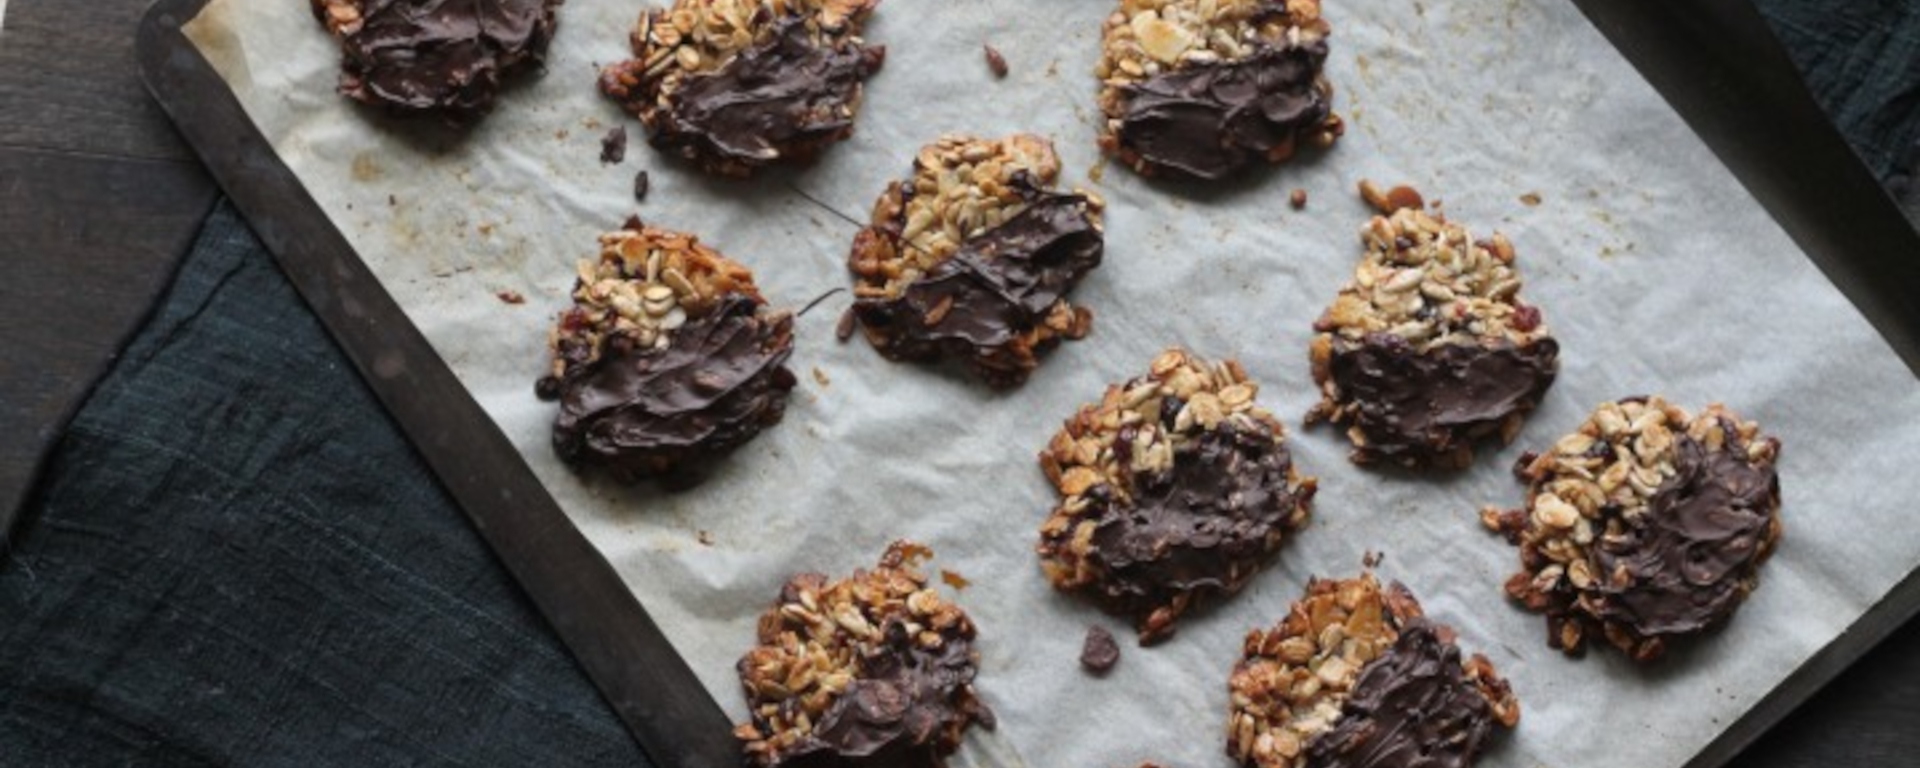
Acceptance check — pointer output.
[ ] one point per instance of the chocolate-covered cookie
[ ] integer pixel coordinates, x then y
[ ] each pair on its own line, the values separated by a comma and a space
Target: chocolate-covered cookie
876, 669
1175, 487
668, 358
972, 257
440, 57
735, 85
1357, 676
1204, 88
1429, 349
1643, 526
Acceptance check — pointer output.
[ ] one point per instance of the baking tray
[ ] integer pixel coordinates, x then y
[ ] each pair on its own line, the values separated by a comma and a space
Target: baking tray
1715, 61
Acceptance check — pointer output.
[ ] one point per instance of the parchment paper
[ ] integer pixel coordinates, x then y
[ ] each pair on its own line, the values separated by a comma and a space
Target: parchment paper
1658, 272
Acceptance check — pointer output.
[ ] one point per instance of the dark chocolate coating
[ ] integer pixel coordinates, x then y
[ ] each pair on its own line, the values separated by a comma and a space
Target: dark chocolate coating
647, 413
1210, 120
1221, 508
443, 56
1415, 407
1412, 707
783, 95
897, 710
1000, 285
1691, 556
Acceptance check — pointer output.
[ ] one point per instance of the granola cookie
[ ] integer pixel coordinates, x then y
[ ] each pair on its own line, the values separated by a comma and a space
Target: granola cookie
668, 358
1644, 525
876, 669
441, 58
1175, 486
734, 85
1357, 676
972, 257
1204, 88
1429, 349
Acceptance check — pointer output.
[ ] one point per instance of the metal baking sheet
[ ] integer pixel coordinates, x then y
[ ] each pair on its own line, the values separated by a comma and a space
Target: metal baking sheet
387, 364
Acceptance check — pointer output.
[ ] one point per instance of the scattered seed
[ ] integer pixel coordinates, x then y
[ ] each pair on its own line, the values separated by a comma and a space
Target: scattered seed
1298, 199
995, 62
511, 297
1530, 199
954, 580
640, 185
844, 330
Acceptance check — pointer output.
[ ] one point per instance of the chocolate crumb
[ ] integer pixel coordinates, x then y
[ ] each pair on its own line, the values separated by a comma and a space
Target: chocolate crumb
641, 183
1373, 559
511, 297
996, 62
1298, 199
613, 148
1100, 652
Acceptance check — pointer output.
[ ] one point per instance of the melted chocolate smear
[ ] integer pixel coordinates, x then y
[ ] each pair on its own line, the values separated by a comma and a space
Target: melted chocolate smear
645, 413
1415, 407
1689, 554
446, 56
1211, 120
1412, 707
784, 93
997, 288
1218, 508
898, 710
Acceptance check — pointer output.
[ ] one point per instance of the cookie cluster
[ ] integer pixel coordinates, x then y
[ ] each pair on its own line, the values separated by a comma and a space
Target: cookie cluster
971, 258
1174, 487
668, 358
1643, 526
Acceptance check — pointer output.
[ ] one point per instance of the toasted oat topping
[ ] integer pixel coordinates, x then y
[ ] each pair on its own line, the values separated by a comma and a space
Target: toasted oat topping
342, 17
1643, 524
961, 187
647, 283
875, 663
1147, 472
700, 36
1294, 680
1427, 280
1144, 38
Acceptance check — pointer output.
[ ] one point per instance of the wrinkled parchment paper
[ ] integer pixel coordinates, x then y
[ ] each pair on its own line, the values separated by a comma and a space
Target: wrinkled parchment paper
1658, 272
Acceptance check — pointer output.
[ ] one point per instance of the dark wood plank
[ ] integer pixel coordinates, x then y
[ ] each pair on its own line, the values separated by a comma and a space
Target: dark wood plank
68, 81
89, 244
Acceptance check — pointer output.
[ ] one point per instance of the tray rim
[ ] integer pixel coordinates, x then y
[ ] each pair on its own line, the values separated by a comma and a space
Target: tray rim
601, 622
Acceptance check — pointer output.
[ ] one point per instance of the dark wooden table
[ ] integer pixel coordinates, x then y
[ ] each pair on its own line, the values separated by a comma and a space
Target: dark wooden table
98, 199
